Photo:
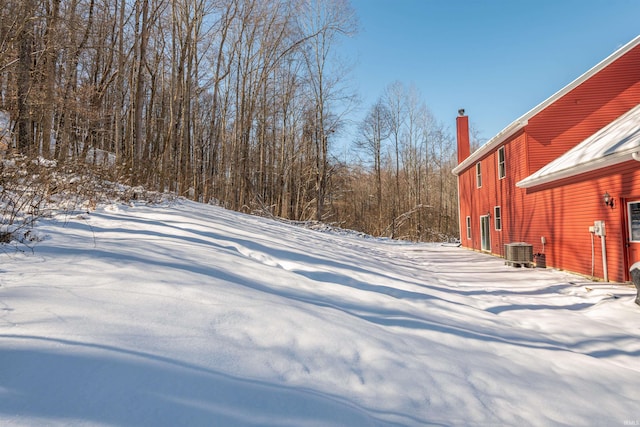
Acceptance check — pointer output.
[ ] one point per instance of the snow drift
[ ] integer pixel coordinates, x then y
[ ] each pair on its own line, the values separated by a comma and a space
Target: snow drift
187, 314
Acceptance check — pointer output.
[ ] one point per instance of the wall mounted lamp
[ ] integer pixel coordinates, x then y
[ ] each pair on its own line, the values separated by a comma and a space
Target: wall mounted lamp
608, 200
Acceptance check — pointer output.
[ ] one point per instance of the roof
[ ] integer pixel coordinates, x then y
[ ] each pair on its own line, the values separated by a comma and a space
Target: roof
522, 121
617, 142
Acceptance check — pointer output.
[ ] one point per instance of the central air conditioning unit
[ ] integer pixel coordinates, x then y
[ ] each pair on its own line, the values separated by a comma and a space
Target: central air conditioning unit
518, 254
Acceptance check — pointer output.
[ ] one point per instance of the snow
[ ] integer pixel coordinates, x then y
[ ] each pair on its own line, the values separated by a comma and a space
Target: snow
188, 314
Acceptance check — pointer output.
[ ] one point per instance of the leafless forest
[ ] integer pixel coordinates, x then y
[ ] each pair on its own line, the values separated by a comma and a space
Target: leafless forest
241, 103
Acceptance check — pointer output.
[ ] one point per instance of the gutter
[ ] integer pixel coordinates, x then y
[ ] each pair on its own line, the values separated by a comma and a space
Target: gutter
600, 163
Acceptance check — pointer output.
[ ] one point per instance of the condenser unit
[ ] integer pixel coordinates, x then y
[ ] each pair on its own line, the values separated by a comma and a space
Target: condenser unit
518, 254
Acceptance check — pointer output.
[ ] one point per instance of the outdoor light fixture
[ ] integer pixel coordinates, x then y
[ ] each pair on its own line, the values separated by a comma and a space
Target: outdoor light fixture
608, 200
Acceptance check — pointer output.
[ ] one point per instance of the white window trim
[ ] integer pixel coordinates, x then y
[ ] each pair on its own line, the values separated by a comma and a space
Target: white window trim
497, 215
502, 171
468, 224
633, 225
478, 175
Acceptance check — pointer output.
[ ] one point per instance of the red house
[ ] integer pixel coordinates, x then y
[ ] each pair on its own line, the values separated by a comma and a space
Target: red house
564, 179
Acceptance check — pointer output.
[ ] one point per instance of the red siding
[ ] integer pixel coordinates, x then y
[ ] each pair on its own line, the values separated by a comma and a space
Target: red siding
585, 110
476, 202
565, 210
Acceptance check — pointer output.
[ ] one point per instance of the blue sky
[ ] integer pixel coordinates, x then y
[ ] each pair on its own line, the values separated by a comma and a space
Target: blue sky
496, 59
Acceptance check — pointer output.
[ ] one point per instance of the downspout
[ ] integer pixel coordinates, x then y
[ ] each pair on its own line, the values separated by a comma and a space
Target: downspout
604, 258
593, 256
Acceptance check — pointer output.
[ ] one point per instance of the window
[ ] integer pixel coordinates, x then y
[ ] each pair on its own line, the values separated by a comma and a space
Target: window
478, 175
469, 227
497, 218
502, 171
485, 235
634, 221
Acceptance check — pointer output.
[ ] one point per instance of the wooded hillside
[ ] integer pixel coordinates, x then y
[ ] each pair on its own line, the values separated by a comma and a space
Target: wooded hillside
243, 103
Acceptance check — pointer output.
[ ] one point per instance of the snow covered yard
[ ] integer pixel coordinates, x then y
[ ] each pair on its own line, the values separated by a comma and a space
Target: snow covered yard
187, 314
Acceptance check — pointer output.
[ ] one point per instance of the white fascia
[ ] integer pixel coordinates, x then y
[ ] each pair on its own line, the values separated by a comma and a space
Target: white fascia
599, 163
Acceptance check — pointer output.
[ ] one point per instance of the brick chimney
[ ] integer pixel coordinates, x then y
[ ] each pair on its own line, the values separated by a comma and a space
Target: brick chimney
462, 127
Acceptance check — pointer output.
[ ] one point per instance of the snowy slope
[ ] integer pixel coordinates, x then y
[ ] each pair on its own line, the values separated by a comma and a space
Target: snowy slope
188, 314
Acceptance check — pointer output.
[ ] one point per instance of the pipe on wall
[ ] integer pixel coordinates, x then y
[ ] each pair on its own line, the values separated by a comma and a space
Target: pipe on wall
636, 156
604, 258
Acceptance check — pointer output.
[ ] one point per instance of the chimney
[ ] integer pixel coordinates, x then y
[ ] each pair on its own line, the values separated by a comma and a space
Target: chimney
462, 126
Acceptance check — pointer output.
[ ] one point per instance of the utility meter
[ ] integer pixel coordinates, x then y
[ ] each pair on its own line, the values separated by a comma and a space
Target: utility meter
598, 228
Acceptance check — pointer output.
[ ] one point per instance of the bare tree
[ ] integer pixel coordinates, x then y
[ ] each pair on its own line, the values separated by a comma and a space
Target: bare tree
327, 19
25, 40
375, 129
395, 96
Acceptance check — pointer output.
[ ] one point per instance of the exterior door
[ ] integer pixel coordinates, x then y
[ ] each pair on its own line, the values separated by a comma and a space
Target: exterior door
485, 236
633, 232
